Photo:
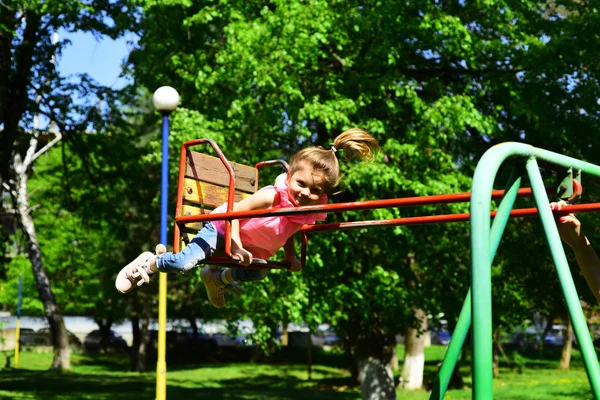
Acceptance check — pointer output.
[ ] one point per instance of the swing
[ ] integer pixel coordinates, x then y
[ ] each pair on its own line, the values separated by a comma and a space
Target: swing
206, 182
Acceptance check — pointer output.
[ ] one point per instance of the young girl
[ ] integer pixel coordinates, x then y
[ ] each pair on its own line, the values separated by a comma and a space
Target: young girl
314, 172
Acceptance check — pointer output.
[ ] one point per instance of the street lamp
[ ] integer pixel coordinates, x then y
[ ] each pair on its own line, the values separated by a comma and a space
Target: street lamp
165, 100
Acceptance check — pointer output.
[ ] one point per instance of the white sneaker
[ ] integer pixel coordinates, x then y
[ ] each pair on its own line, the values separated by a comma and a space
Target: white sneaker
134, 274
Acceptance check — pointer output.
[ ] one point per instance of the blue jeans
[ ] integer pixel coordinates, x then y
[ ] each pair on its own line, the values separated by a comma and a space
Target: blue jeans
206, 243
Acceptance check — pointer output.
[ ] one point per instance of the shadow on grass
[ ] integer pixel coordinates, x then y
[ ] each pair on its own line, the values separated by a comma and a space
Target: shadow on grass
581, 394
547, 357
107, 362
53, 385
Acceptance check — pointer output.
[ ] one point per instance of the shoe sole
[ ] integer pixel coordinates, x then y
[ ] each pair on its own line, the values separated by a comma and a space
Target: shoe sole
206, 276
122, 281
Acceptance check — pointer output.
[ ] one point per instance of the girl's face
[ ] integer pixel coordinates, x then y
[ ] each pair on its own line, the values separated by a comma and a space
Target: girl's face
306, 186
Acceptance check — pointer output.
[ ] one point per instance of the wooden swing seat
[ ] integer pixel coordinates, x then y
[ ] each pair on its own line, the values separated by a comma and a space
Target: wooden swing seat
204, 184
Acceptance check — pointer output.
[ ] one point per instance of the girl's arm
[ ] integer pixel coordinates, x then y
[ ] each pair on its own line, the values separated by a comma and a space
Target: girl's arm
290, 255
570, 231
266, 198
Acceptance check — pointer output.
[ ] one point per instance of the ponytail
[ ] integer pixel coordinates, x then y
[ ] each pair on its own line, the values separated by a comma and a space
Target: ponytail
355, 143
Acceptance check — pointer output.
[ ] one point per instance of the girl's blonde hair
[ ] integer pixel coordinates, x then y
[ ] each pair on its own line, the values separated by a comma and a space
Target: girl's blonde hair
356, 143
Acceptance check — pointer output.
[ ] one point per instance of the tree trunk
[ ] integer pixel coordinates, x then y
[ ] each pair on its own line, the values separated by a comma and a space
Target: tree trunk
414, 357
60, 341
104, 326
370, 349
137, 339
284, 339
140, 338
348, 345
496, 356
194, 326
394, 363
565, 357
495, 363
373, 358
143, 349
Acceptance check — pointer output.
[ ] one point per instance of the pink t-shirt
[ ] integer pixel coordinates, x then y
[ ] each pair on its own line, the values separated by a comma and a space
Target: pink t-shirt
264, 236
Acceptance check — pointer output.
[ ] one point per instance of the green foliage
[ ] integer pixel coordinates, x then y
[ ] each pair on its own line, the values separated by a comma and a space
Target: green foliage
519, 362
30, 304
89, 213
437, 84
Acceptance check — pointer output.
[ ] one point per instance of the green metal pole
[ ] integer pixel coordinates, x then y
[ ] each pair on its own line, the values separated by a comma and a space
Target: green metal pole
483, 180
451, 357
503, 212
464, 320
566, 280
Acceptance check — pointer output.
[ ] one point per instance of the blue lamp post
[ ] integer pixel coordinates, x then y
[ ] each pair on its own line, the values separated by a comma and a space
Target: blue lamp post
165, 101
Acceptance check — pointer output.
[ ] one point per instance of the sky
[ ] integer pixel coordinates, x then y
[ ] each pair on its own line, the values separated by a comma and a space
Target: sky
101, 59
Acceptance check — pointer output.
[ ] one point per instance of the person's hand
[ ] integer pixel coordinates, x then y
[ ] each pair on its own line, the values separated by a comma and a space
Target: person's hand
243, 256
295, 264
569, 227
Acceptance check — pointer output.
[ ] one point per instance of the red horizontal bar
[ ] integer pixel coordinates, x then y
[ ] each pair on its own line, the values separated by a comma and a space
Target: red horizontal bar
436, 219
349, 206
257, 263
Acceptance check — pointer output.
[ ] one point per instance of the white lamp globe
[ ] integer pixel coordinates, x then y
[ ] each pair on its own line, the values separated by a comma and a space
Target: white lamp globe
165, 99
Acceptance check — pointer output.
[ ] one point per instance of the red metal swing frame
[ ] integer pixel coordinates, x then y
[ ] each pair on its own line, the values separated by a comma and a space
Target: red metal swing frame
181, 220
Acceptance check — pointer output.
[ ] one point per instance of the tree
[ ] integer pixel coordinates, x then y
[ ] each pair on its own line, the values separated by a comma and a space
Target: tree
438, 84
35, 90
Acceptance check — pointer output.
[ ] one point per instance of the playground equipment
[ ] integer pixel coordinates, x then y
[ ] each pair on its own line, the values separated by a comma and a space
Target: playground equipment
206, 182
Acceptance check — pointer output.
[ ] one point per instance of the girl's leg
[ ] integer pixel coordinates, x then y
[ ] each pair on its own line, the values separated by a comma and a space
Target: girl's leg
137, 272
200, 247
245, 275
217, 281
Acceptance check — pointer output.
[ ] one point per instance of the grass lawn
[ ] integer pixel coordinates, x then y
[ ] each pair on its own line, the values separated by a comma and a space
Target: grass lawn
108, 377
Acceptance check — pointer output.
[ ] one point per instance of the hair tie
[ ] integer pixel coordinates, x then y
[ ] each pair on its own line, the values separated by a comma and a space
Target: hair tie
333, 149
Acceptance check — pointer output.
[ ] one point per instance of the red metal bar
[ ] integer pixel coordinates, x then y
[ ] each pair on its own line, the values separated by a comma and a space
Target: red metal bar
181, 179
257, 263
409, 221
339, 207
273, 162
303, 251
179, 200
436, 219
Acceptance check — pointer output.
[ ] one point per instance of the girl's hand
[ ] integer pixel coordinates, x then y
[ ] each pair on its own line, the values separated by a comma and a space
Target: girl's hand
295, 264
569, 227
242, 255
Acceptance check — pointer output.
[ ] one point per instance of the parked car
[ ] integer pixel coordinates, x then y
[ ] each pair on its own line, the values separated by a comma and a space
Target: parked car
555, 337
43, 337
28, 337
184, 339
226, 340
441, 337
73, 340
93, 341
330, 338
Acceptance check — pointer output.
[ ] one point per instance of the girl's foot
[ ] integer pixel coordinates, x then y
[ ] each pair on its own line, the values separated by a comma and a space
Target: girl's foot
215, 287
134, 274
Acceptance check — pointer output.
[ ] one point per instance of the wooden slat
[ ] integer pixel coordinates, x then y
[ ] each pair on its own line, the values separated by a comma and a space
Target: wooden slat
187, 210
210, 169
207, 194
